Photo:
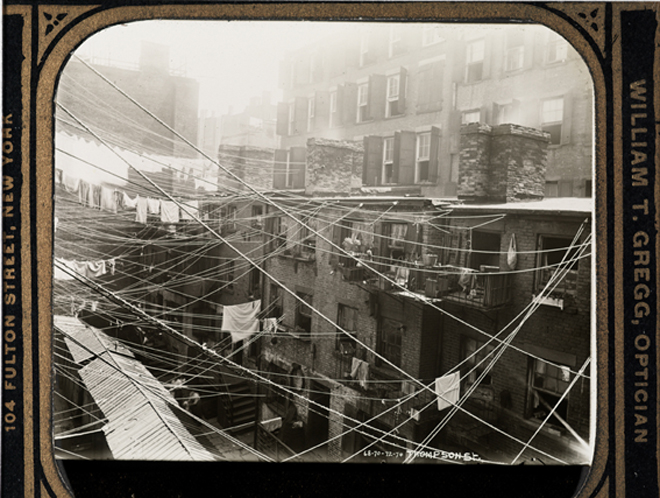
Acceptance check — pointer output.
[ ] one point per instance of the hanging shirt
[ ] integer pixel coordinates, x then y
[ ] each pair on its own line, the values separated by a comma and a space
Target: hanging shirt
71, 183
240, 320
191, 207
83, 192
108, 202
360, 371
127, 202
448, 389
153, 205
169, 212
141, 206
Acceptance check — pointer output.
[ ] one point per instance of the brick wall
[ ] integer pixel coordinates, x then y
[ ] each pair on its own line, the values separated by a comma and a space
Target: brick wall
504, 163
333, 166
253, 165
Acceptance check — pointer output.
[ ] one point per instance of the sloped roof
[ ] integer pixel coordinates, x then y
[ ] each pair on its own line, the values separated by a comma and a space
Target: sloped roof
85, 342
141, 424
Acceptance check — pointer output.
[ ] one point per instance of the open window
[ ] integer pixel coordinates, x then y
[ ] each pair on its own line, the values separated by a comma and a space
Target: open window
552, 250
347, 321
485, 253
304, 313
547, 382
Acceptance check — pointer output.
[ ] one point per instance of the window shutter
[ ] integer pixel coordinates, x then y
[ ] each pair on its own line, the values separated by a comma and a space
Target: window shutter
401, 103
279, 170
373, 160
298, 163
377, 96
282, 118
403, 169
566, 119
322, 110
434, 153
300, 115
348, 102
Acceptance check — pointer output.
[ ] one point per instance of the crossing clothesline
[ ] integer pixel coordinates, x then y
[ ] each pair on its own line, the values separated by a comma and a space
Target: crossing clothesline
340, 249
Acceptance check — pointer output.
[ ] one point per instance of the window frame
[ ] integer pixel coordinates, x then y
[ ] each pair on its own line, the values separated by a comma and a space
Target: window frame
552, 124
434, 35
385, 180
421, 159
471, 62
364, 48
392, 100
467, 379
465, 120
395, 35
390, 350
333, 109
301, 315
542, 262
534, 391
341, 338
558, 47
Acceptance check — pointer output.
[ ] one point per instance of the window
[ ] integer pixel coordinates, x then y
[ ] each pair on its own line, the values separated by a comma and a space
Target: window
475, 61
363, 102
275, 305
431, 35
515, 51
556, 49
307, 237
430, 85
275, 231
304, 313
254, 283
482, 358
485, 250
552, 112
313, 66
346, 320
551, 252
275, 396
423, 157
507, 113
547, 383
388, 159
393, 241
257, 221
292, 117
389, 341
392, 96
228, 219
395, 46
334, 117
364, 49
310, 113
471, 117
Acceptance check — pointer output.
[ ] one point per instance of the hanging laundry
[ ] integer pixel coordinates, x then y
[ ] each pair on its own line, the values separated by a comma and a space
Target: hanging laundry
108, 200
512, 254
270, 325
127, 202
191, 207
71, 183
153, 205
95, 197
60, 274
58, 176
110, 265
240, 320
95, 269
360, 371
448, 389
169, 212
141, 206
83, 192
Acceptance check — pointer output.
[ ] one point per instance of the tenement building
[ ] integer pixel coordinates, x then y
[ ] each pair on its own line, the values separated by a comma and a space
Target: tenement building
403, 320
406, 89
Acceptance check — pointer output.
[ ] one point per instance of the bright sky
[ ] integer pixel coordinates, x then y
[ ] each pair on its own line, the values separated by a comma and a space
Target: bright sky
232, 60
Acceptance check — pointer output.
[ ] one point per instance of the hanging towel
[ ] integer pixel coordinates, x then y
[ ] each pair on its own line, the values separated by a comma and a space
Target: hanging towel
95, 269
108, 200
360, 371
270, 325
83, 192
512, 255
127, 202
71, 183
448, 390
141, 205
59, 274
169, 212
95, 197
240, 320
191, 207
154, 205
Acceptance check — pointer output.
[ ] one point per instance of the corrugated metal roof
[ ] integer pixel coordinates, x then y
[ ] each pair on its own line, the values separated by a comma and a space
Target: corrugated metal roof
141, 423
85, 342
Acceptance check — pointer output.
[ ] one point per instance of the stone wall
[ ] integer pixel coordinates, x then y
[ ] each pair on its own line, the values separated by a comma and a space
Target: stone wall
333, 166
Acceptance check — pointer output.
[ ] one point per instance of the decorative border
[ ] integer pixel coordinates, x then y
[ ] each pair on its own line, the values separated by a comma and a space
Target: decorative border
49, 33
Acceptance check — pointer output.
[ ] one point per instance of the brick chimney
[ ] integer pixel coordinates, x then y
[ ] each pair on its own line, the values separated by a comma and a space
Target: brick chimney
333, 166
505, 163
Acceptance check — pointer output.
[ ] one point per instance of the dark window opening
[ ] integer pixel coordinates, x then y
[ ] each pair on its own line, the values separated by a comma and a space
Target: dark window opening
485, 250
389, 341
304, 313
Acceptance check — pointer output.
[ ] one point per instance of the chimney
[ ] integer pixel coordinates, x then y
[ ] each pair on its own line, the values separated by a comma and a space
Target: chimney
333, 166
506, 163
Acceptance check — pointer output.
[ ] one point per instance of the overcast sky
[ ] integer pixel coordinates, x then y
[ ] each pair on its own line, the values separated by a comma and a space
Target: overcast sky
233, 60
